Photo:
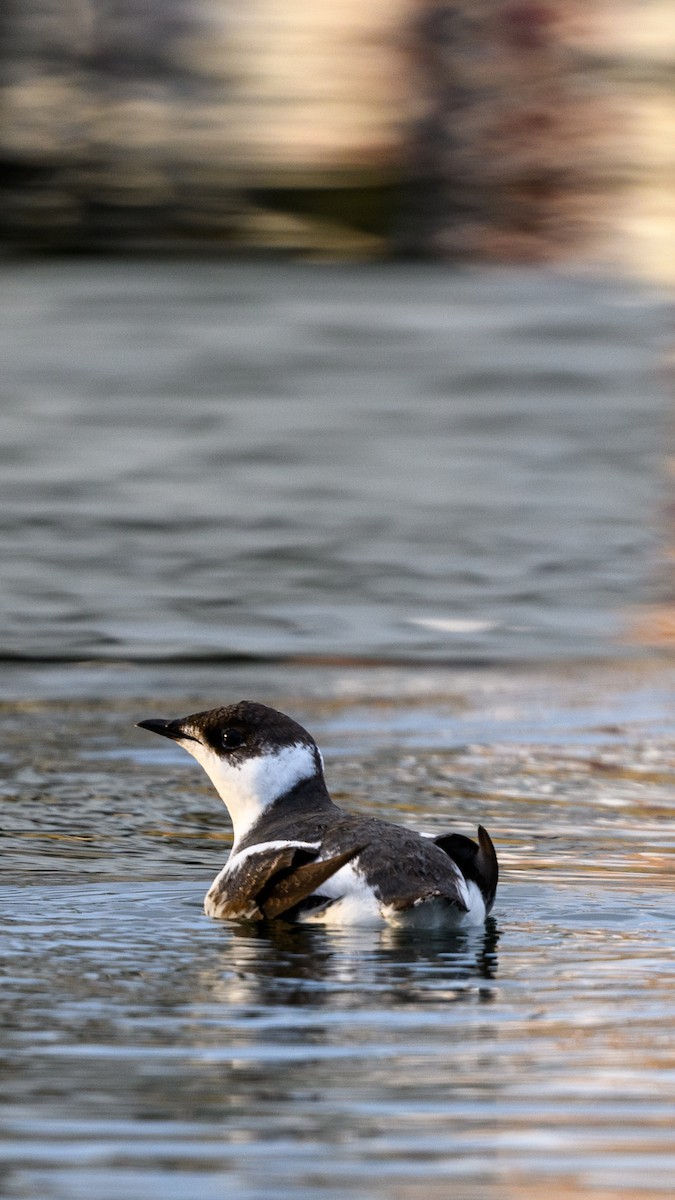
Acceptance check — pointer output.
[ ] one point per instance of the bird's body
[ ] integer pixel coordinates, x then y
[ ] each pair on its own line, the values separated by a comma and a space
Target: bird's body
298, 856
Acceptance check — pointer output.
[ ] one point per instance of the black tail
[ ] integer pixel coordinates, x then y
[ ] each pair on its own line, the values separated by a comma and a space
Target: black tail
478, 863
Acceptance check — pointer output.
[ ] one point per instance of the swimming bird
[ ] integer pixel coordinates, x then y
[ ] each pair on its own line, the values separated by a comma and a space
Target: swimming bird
298, 856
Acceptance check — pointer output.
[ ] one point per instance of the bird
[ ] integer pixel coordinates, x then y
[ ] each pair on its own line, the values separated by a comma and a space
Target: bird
298, 857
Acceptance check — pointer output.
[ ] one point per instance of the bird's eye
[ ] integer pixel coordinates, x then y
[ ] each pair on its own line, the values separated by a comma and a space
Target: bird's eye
232, 738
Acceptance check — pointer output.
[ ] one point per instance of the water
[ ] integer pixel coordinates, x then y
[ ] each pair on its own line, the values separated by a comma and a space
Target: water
210, 461
265, 1063
417, 510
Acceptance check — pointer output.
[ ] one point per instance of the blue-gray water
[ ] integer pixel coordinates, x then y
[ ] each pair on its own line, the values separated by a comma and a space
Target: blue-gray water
380, 461
417, 509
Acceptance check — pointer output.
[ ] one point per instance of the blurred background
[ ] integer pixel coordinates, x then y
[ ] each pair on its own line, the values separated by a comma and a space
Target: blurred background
442, 432
337, 373
487, 129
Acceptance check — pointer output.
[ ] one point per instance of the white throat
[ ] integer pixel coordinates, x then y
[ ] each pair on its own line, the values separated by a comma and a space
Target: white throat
248, 788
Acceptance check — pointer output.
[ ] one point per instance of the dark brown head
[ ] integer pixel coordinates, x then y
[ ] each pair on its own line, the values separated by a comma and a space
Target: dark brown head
253, 755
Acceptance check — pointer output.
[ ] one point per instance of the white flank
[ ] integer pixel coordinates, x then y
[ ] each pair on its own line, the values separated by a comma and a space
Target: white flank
354, 901
476, 914
249, 788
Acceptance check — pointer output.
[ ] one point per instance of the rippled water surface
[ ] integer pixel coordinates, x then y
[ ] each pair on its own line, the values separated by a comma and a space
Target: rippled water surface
148, 1050
416, 510
211, 460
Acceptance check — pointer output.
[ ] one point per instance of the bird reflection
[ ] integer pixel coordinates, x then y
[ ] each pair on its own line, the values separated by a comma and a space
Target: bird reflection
274, 963
285, 1026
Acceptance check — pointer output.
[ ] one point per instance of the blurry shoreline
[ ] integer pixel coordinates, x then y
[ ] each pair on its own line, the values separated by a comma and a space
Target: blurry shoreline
487, 131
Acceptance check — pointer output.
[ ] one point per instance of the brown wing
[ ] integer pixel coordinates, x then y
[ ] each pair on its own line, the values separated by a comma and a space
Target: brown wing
269, 882
289, 888
403, 868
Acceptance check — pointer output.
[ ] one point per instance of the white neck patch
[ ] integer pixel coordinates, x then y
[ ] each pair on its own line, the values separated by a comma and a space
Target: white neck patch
248, 788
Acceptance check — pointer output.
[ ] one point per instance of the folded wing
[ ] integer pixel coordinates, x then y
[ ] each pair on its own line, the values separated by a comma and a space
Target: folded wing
269, 882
